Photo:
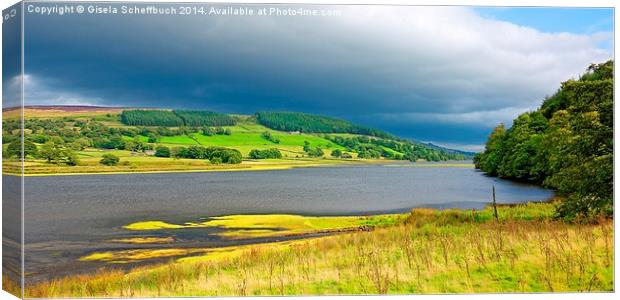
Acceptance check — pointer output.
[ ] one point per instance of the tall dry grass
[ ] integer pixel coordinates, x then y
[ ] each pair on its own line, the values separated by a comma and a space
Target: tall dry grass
432, 252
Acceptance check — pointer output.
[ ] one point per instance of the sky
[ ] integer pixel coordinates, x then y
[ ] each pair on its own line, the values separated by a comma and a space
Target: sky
445, 75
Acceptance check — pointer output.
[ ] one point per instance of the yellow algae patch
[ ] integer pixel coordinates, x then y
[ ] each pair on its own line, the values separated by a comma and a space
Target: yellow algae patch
154, 225
98, 256
247, 226
253, 226
134, 255
144, 240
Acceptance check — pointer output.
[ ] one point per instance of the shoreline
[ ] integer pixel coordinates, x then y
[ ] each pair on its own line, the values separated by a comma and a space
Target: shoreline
287, 237
426, 229
268, 167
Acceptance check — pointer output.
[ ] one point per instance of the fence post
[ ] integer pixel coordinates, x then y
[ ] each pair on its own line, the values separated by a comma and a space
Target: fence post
495, 206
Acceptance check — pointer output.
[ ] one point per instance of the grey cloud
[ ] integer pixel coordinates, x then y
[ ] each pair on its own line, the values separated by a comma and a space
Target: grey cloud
436, 64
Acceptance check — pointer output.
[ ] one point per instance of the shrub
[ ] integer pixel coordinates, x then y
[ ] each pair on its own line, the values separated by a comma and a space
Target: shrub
109, 160
162, 151
314, 152
264, 154
228, 156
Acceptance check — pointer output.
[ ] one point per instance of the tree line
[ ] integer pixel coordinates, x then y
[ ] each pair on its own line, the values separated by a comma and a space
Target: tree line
215, 155
368, 147
175, 118
566, 144
307, 123
265, 154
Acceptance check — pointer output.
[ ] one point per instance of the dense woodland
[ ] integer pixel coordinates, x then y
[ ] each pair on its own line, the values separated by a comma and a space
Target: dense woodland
307, 123
566, 144
175, 118
151, 118
204, 118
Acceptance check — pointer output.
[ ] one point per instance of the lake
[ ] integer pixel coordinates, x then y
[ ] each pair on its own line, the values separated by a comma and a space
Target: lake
67, 217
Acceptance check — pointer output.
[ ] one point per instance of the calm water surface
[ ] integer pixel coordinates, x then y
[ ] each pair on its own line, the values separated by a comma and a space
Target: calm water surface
70, 216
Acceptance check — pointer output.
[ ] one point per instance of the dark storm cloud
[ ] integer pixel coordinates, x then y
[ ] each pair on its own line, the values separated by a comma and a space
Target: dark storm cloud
440, 74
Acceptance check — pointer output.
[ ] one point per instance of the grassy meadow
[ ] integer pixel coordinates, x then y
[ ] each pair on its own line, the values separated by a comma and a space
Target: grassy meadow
425, 251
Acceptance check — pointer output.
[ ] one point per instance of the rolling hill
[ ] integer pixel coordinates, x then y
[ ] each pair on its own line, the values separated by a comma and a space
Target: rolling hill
75, 139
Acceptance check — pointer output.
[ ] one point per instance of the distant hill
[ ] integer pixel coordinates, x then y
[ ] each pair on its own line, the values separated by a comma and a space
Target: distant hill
468, 154
298, 133
63, 107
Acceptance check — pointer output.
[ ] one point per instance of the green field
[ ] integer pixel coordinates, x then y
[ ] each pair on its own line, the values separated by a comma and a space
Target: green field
247, 136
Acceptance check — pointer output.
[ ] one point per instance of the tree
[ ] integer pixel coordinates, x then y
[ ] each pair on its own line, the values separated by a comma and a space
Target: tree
208, 131
57, 140
7, 138
490, 159
51, 152
162, 151
14, 149
336, 153
153, 138
39, 138
314, 152
268, 136
83, 143
71, 158
109, 160
135, 145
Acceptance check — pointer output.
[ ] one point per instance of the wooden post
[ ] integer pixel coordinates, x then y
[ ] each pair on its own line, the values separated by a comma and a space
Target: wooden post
495, 206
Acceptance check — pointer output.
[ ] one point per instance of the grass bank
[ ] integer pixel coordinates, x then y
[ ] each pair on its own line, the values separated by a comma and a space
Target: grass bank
146, 165
429, 251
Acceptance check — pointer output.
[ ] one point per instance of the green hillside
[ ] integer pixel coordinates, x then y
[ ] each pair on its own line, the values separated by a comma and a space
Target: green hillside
135, 140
